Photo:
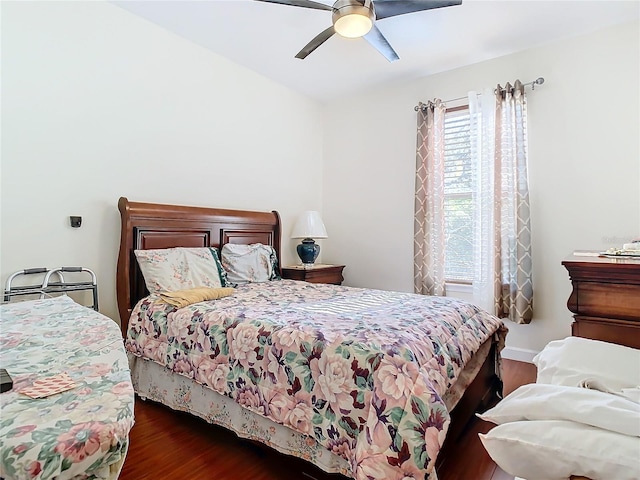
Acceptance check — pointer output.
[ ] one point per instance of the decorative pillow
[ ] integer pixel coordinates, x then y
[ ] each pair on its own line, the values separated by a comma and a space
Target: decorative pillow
249, 263
557, 449
573, 360
183, 298
172, 269
538, 401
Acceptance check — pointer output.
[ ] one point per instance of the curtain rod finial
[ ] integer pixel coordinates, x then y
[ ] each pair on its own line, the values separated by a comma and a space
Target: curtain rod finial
537, 81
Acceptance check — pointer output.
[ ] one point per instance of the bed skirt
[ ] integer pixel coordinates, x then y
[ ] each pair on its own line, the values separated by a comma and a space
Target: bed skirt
154, 382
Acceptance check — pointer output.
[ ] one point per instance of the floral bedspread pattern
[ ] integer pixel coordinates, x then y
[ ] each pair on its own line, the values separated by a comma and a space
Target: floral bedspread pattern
80, 433
361, 371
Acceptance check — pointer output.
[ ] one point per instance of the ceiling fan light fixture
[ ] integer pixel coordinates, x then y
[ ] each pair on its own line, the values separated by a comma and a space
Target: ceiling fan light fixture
351, 19
353, 25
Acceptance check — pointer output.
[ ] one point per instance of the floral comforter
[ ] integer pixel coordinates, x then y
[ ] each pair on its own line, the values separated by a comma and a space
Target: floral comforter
81, 433
361, 371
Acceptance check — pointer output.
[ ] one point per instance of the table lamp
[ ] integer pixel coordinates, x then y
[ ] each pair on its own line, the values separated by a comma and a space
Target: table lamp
309, 226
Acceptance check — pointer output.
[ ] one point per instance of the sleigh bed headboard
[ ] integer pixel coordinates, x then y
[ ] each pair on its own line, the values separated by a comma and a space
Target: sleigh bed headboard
147, 226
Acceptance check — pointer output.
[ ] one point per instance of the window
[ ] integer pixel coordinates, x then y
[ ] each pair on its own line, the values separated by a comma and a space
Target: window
467, 191
458, 199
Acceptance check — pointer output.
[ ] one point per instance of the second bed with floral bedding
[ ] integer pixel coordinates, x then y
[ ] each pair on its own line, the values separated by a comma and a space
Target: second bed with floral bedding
82, 431
358, 373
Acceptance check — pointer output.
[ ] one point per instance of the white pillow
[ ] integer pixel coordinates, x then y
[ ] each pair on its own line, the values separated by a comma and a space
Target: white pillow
557, 449
249, 263
538, 401
172, 269
573, 360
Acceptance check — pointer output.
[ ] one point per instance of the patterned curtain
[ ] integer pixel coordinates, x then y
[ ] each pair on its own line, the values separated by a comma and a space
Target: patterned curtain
429, 226
502, 235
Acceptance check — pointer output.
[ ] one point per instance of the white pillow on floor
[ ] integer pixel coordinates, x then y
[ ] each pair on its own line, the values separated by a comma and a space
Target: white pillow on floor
557, 449
538, 401
573, 360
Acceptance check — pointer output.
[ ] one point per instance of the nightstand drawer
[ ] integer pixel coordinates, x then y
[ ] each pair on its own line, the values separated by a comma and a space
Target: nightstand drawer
316, 274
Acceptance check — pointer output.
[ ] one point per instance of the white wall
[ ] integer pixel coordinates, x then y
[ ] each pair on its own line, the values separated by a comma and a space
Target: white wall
584, 166
98, 103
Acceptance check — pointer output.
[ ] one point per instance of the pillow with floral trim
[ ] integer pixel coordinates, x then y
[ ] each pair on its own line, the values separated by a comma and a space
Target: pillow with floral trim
180, 268
253, 263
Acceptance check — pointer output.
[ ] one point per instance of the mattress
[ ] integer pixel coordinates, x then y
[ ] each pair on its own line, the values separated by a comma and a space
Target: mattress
83, 431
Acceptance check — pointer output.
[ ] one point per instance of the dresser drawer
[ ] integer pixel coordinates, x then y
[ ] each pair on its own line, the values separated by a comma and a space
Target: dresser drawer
607, 330
608, 300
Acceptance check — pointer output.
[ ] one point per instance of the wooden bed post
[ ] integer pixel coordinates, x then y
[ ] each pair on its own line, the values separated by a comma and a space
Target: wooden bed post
123, 293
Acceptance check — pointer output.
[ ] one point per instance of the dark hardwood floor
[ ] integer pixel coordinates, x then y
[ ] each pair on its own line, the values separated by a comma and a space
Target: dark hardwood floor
170, 444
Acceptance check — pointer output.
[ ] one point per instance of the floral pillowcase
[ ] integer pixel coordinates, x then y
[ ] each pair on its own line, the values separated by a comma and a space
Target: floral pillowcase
250, 263
172, 269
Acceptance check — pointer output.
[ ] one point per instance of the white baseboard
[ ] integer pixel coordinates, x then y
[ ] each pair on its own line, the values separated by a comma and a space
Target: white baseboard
519, 354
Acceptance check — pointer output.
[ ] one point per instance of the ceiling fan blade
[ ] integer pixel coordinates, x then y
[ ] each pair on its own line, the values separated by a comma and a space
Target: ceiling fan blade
300, 3
377, 41
391, 8
315, 43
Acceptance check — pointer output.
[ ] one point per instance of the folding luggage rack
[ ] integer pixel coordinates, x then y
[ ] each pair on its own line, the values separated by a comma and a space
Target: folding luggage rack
48, 287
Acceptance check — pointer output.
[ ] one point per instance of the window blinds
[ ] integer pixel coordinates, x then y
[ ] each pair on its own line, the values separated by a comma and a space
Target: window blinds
458, 188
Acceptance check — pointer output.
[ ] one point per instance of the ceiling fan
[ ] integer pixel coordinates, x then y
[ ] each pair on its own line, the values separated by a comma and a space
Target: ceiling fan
356, 18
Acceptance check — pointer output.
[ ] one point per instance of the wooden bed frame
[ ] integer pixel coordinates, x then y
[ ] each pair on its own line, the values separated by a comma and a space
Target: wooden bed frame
150, 226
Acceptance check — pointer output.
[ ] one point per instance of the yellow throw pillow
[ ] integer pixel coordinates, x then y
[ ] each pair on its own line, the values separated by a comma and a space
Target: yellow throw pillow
183, 298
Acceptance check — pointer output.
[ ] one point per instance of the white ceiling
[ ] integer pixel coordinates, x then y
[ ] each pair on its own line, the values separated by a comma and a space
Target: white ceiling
265, 37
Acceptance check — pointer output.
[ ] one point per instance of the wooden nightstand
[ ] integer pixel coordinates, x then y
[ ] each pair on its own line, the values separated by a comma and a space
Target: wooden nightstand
318, 273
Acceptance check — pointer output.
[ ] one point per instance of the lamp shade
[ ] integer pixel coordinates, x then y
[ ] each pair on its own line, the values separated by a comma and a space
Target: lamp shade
309, 225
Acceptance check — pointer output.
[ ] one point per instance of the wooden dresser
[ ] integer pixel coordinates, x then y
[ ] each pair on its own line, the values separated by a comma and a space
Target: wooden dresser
605, 299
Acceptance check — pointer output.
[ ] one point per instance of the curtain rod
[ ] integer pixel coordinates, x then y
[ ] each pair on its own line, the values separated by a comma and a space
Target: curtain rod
537, 81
